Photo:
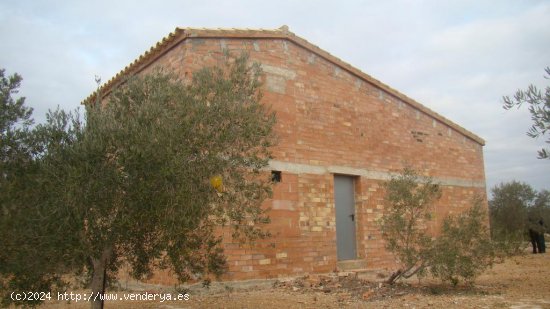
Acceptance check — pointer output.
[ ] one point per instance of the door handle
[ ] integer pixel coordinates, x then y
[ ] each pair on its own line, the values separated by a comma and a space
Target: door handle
352, 217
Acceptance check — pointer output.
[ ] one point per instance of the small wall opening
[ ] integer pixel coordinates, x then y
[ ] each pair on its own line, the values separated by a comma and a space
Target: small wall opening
276, 176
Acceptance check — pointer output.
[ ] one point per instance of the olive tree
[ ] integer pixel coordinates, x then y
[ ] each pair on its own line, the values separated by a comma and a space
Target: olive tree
461, 250
538, 102
29, 250
131, 186
464, 248
509, 212
410, 199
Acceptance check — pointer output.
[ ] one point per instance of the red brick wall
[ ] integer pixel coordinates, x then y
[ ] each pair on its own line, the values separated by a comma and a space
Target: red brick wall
331, 121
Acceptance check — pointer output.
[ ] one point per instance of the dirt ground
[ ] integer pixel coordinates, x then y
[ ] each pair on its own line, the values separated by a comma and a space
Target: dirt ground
520, 283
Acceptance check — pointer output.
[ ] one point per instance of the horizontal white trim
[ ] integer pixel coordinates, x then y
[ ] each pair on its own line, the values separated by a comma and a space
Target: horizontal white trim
299, 168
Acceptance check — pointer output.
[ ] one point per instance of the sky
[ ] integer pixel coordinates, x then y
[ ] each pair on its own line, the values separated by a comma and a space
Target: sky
456, 57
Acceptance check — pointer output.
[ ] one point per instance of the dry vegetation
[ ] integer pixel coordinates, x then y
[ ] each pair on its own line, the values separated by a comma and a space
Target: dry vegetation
519, 282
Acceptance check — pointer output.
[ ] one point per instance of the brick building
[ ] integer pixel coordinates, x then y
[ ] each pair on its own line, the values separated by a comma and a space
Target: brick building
341, 133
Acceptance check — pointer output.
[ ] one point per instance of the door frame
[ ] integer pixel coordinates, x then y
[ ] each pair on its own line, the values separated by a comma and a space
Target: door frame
355, 181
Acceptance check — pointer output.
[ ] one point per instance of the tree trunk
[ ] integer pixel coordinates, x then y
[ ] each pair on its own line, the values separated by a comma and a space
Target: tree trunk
99, 277
394, 277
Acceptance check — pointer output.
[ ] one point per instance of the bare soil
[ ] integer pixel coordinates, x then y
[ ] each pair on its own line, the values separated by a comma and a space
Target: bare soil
520, 283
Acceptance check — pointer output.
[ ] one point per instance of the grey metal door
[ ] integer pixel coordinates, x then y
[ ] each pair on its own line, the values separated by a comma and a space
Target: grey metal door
345, 217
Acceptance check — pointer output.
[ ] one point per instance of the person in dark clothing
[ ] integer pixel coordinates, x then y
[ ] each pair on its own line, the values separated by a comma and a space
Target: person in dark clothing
534, 237
540, 238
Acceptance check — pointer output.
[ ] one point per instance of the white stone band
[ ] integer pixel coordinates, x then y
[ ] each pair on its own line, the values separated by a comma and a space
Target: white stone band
299, 168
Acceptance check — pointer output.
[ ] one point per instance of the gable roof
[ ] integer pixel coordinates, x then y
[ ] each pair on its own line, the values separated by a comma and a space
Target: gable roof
181, 34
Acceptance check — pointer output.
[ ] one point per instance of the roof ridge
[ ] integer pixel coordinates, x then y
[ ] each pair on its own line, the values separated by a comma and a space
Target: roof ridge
283, 32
